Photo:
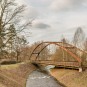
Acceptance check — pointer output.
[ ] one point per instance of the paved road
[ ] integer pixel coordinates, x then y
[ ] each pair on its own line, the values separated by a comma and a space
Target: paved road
39, 79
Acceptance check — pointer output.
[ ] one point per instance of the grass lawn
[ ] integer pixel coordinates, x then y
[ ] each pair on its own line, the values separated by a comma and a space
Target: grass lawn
70, 78
15, 75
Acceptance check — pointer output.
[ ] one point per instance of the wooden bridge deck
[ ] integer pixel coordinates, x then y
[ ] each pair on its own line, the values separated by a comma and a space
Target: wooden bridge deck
56, 63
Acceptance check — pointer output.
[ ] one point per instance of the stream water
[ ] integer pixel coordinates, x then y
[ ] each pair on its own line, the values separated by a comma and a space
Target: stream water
40, 79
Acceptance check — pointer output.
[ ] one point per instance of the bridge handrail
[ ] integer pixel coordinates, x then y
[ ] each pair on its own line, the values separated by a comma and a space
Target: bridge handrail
62, 47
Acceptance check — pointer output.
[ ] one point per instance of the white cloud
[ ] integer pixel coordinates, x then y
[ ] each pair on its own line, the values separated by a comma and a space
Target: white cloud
57, 5
75, 19
69, 14
20, 2
30, 12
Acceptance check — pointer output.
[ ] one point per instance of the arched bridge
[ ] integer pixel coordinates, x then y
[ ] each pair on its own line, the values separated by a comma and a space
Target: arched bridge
74, 55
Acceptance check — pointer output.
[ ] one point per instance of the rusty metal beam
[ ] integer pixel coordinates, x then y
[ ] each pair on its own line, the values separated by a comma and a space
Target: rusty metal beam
72, 54
42, 50
67, 44
60, 44
34, 50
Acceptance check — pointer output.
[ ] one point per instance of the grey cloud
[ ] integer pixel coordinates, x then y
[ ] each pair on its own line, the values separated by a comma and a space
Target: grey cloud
41, 25
78, 3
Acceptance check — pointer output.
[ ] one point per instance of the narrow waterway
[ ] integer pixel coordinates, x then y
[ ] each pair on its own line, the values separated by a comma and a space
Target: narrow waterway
40, 79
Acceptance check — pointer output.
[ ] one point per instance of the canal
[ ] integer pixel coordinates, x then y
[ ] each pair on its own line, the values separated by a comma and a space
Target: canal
40, 79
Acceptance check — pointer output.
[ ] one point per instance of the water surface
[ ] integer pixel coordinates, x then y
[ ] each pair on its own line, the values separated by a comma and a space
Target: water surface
39, 79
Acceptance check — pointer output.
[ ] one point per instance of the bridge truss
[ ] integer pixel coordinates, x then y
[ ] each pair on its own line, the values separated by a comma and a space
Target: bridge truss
71, 50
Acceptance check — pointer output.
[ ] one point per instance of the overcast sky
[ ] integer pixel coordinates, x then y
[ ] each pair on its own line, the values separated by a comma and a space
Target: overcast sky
54, 19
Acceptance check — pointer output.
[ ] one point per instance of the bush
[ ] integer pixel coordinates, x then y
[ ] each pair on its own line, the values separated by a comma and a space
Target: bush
8, 62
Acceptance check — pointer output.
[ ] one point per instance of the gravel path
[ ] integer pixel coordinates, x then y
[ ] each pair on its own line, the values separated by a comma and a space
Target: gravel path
39, 79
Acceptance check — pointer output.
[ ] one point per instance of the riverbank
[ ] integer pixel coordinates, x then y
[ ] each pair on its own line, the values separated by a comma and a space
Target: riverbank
70, 78
15, 75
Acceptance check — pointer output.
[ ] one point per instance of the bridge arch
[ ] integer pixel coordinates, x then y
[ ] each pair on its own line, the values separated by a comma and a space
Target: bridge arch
59, 44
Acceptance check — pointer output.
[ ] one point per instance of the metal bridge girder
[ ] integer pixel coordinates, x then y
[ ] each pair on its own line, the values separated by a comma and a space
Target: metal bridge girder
59, 44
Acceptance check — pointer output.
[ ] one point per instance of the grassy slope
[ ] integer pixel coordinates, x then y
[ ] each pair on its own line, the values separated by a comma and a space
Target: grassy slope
70, 78
2, 85
15, 75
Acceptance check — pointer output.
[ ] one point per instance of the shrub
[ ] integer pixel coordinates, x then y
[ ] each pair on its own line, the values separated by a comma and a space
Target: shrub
8, 62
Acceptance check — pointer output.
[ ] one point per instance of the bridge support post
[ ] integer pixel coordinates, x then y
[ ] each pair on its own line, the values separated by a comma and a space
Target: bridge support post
80, 69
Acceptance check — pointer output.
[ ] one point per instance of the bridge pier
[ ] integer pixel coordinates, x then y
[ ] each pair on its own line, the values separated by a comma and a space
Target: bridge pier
80, 69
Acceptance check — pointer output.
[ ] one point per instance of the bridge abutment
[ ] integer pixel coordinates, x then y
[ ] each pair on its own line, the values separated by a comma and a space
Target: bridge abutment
80, 69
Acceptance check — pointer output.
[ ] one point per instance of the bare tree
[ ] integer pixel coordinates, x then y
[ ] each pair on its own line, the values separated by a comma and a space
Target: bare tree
19, 43
85, 45
78, 37
10, 14
10, 17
